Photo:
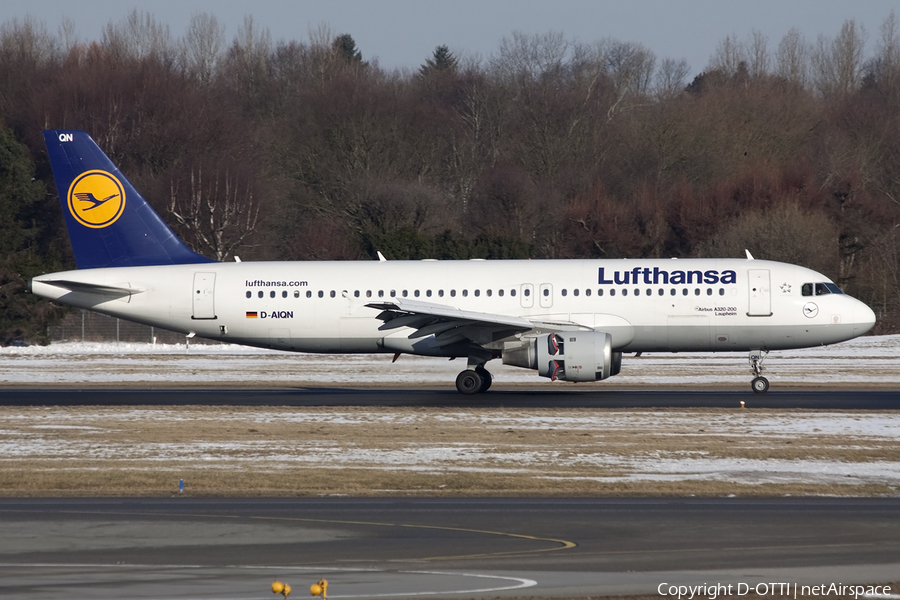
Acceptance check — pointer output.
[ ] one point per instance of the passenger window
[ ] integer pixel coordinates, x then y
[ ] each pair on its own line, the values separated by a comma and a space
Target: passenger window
272, 294
672, 292
512, 292
500, 292
661, 291
649, 292
709, 291
332, 293
356, 294
368, 293
309, 293
393, 293
381, 293
575, 292
249, 294
428, 293
721, 291
453, 293
696, 291
405, 293
684, 292
637, 292
296, 293
564, 292
477, 293
527, 292
546, 292
587, 292
612, 292
488, 292
416, 293
441, 293
260, 294
465, 293
600, 292
284, 294
321, 294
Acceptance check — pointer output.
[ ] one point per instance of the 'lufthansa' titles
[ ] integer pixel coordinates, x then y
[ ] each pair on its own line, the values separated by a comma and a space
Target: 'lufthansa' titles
656, 276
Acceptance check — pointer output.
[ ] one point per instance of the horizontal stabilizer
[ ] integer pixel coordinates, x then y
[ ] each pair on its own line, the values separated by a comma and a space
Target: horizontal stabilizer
91, 288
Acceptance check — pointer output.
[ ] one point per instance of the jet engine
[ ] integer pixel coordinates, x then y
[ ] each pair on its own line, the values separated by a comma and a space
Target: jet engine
568, 356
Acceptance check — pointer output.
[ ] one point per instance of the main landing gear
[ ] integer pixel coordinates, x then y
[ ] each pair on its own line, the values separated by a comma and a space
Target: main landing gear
474, 381
760, 384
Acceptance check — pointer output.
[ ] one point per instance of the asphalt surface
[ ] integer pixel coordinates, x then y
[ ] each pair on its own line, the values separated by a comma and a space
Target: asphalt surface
190, 548
439, 548
406, 397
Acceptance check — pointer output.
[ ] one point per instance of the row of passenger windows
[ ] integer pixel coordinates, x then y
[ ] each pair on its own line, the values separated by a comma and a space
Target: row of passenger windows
477, 293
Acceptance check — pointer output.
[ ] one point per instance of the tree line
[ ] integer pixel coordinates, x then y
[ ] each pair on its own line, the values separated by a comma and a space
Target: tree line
550, 148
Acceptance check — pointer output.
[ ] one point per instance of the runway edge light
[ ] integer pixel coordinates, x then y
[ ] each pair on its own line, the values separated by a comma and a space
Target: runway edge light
281, 588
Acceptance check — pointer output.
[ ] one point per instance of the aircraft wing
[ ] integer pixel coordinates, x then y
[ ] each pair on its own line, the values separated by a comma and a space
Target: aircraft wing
446, 323
450, 325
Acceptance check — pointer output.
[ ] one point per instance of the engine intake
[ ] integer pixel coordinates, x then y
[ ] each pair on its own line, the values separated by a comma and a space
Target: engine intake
568, 356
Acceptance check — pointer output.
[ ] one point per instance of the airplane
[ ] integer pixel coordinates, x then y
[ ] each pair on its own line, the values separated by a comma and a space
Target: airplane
569, 320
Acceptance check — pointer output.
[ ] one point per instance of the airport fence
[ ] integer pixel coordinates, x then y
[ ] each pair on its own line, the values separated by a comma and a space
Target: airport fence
87, 326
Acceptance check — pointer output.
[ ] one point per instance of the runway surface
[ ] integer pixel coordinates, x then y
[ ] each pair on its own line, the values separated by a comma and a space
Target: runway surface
190, 548
861, 399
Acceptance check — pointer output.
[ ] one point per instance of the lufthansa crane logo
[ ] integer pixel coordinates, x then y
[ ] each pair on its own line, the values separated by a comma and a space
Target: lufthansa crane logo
96, 199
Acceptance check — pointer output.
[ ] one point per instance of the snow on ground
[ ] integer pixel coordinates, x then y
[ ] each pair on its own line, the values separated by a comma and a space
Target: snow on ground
858, 448
743, 447
867, 360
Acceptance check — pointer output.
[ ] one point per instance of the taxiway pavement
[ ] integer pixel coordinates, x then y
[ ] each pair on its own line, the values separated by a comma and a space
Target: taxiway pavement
473, 548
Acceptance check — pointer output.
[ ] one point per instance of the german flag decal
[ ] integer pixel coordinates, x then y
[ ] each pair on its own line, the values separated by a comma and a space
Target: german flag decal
251, 315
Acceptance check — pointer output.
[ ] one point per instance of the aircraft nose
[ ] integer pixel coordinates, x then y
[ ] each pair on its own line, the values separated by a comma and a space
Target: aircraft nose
863, 318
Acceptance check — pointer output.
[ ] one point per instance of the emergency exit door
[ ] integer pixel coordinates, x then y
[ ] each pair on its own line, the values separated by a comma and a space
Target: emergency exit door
204, 296
760, 293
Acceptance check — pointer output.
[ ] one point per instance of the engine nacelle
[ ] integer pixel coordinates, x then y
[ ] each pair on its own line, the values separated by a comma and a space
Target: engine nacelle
569, 356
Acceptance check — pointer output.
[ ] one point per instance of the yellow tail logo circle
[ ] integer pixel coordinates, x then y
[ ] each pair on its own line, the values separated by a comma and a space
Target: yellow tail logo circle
96, 199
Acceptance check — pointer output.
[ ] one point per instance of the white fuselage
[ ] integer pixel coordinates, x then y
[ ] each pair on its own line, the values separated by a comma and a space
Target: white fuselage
646, 305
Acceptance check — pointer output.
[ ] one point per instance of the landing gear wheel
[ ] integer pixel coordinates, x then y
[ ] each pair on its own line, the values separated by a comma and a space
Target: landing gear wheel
486, 379
469, 382
760, 385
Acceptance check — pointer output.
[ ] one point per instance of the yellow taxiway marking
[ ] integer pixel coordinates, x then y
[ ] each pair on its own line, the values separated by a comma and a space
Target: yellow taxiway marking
562, 544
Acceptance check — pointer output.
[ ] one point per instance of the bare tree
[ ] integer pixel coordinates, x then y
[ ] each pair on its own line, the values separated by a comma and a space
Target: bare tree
248, 56
837, 64
27, 42
792, 58
218, 215
728, 57
202, 46
139, 36
527, 58
758, 58
671, 77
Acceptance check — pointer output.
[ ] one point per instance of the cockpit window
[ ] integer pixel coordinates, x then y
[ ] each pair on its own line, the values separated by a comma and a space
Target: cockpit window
819, 289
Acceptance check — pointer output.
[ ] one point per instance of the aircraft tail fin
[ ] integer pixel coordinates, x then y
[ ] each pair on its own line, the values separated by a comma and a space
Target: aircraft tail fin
109, 222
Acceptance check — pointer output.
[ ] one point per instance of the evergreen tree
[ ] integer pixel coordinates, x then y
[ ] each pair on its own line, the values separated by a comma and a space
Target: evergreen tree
23, 226
442, 60
345, 47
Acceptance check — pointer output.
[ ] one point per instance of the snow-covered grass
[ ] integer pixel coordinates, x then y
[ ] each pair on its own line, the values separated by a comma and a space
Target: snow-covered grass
865, 360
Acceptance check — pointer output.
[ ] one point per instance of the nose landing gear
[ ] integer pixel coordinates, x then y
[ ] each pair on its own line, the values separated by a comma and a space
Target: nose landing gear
759, 385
